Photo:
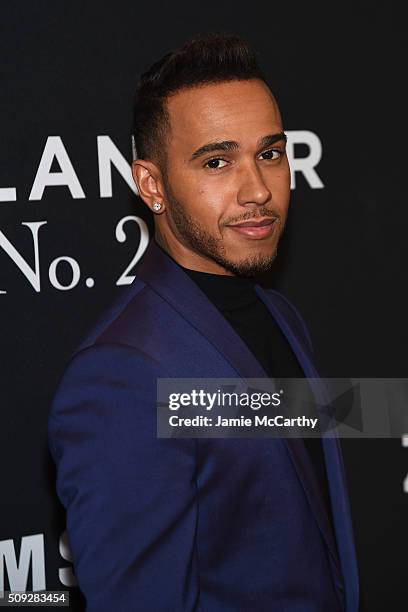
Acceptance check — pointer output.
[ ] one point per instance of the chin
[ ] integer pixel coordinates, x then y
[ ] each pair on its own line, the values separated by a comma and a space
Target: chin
254, 263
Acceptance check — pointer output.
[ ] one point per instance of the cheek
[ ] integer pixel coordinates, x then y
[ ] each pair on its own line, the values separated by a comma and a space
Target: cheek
280, 187
207, 207
204, 200
211, 203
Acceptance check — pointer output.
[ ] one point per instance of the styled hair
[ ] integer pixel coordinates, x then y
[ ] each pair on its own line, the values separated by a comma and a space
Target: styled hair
204, 59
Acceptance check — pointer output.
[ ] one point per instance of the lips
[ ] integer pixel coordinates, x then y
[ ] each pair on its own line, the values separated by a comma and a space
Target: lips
255, 228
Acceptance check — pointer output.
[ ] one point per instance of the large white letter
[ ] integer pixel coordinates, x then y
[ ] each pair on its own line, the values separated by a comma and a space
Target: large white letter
8, 194
108, 155
54, 148
32, 275
306, 165
31, 552
76, 273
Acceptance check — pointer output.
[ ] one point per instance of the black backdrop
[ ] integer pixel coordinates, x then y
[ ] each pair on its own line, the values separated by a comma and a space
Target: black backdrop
68, 74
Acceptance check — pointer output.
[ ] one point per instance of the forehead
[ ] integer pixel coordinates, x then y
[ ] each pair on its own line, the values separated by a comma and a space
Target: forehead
244, 111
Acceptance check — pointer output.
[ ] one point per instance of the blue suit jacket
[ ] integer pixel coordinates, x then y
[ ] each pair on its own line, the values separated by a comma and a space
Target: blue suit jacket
215, 525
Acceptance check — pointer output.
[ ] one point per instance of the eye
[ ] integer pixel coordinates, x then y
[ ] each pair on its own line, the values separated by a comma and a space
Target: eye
216, 163
272, 154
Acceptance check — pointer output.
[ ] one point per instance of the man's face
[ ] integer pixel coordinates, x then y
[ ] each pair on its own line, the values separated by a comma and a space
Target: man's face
226, 165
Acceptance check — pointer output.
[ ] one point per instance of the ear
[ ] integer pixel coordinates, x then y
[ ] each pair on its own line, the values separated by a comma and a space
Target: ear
147, 177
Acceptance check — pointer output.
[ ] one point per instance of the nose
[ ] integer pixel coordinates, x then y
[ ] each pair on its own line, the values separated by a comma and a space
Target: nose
252, 188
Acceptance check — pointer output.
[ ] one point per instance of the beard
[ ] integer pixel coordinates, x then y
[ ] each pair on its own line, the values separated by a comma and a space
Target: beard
202, 242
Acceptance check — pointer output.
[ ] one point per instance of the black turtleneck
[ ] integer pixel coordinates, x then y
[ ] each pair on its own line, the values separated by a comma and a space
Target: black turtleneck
235, 297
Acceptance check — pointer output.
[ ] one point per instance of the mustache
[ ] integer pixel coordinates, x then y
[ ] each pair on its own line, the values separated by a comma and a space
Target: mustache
261, 214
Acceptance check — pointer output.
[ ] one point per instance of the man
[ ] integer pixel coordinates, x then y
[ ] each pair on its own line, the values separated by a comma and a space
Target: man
200, 524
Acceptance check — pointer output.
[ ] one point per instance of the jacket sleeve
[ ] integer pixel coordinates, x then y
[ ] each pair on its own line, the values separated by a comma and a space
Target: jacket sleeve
130, 497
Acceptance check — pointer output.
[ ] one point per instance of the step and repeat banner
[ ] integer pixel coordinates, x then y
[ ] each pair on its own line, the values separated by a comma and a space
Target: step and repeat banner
72, 229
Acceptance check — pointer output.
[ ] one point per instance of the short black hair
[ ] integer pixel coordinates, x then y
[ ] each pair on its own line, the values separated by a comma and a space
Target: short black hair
204, 59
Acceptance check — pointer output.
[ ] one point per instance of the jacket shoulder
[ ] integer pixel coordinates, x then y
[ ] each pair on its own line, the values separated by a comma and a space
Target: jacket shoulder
109, 318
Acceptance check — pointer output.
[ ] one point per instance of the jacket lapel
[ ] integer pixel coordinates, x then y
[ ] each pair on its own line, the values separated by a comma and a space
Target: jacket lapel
167, 278
335, 471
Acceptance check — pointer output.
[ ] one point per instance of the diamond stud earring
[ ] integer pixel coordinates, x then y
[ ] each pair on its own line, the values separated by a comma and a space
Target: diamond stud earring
156, 206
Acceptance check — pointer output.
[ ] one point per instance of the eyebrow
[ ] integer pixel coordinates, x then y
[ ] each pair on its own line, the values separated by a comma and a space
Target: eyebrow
232, 145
